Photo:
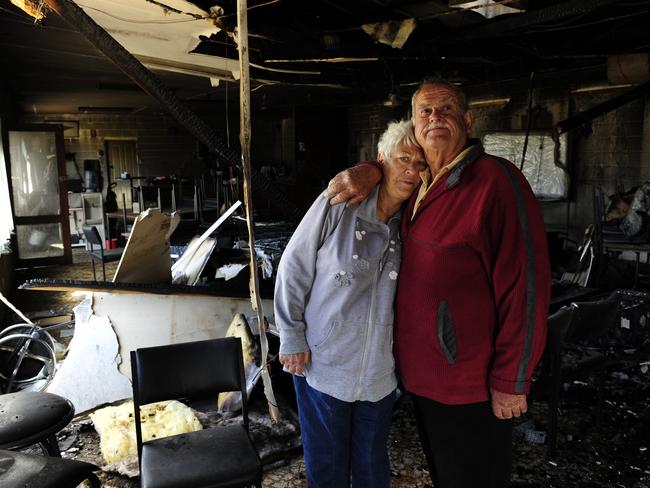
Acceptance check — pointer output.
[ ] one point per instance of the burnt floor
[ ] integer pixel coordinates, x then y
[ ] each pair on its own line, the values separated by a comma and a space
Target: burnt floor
612, 454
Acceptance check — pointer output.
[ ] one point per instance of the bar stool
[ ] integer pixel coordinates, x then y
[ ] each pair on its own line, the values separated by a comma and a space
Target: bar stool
33, 417
33, 471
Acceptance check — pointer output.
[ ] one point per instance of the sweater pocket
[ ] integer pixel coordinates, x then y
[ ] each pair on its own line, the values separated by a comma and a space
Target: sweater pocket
446, 333
341, 346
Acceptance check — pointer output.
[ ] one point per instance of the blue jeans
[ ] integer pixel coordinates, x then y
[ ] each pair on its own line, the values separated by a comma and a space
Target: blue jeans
344, 438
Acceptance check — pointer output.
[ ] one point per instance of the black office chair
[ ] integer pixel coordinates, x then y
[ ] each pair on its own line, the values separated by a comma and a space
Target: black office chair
558, 327
33, 471
103, 256
583, 328
222, 456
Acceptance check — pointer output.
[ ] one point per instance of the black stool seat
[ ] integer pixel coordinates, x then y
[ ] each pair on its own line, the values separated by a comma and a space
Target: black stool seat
32, 471
109, 255
30, 417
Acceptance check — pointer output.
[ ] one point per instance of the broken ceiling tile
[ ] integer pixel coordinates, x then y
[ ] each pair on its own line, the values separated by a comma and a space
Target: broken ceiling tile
393, 33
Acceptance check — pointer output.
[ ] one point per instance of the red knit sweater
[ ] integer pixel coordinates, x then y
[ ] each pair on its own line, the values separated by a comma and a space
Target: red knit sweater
474, 285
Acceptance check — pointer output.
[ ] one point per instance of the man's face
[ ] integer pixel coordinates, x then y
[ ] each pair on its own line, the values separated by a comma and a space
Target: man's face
439, 122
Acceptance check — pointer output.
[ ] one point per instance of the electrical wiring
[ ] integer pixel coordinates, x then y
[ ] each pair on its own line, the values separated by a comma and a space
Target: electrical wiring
134, 21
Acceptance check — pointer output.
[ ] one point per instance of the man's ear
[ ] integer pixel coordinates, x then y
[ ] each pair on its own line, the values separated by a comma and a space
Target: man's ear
469, 119
380, 157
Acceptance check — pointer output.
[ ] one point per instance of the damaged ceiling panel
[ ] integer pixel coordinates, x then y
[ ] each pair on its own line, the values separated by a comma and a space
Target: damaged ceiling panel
361, 48
163, 35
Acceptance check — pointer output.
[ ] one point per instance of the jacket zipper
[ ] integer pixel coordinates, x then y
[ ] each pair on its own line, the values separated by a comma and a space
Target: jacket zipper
371, 316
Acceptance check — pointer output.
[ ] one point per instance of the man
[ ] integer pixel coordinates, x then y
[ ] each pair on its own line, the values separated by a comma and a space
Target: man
472, 296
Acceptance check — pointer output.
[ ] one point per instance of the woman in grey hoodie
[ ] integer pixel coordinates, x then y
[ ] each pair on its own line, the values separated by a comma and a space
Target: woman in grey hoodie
334, 310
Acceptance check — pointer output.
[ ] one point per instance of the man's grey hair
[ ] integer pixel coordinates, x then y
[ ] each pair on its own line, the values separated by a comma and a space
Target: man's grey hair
435, 81
400, 132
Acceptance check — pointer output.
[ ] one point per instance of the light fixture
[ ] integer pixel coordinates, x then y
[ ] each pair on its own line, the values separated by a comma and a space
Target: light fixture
488, 103
393, 97
392, 100
601, 88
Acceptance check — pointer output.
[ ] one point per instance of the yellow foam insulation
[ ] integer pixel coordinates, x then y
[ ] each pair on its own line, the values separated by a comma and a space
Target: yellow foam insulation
116, 426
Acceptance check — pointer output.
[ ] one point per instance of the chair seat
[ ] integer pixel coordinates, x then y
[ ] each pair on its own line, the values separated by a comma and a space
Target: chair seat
27, 417
224, 453
32, 471
109, 254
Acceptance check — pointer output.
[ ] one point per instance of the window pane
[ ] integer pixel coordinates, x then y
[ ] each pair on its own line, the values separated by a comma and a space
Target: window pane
34, 173
547, 179
39, 241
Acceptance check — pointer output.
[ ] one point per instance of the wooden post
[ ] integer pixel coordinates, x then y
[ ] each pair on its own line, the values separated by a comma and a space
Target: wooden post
245, 141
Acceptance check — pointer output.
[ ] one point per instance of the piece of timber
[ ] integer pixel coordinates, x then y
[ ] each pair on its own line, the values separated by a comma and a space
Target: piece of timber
155, 289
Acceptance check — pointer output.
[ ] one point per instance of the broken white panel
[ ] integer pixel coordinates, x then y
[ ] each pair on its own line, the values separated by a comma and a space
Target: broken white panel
187, 270
142, 319
146, 257
393, 33
229, 271
162, 38
487, 8
89, 375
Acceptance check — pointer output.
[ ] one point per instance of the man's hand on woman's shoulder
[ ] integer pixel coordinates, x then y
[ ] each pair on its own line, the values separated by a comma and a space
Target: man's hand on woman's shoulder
353, 185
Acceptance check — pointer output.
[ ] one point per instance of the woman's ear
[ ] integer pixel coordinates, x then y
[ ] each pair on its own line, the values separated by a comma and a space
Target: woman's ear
380, 157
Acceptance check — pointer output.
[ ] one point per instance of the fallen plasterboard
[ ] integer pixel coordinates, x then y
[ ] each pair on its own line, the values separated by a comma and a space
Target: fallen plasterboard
231, 401
229, 271
393, 33
89, 375
182, 269
146, 257
149, 319
189, 271
116, 426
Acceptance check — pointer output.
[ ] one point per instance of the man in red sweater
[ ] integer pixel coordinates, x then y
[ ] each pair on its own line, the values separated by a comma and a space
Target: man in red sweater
472, 296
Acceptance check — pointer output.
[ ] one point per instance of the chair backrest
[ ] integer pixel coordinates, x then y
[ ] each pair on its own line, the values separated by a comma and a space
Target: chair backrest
192, 370
92, 235
594, 319
558, 326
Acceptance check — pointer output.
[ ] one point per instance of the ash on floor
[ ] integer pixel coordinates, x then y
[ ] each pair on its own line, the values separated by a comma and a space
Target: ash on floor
614, 454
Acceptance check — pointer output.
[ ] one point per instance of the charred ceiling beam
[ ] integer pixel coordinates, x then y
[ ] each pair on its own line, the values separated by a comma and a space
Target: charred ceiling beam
601, 109
152, 85
535, 17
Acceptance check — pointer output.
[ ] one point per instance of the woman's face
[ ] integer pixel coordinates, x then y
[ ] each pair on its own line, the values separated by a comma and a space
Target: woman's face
402, 171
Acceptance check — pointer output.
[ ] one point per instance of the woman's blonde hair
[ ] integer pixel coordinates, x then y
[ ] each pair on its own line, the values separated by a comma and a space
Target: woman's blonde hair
397, 132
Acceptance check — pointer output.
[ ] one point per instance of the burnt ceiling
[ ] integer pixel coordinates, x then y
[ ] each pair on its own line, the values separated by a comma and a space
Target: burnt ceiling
299, 46
459, 43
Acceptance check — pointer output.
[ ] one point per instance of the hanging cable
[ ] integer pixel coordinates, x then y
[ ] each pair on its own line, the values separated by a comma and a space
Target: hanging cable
528, 119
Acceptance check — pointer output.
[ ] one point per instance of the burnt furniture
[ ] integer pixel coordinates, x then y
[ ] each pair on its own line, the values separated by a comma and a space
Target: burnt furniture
222, 456
33, 417
582, 329
32, 471
558, 327
103, 256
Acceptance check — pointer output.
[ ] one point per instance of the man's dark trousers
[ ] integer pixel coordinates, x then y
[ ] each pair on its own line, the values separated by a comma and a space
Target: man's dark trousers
468, 446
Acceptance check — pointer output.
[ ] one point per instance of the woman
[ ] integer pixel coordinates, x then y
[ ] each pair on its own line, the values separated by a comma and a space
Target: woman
334, 309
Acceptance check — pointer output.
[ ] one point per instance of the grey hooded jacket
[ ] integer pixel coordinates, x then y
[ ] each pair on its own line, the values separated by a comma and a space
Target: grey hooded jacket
334, 297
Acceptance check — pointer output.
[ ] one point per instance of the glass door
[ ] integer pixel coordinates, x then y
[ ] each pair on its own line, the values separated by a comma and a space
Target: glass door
38, 194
